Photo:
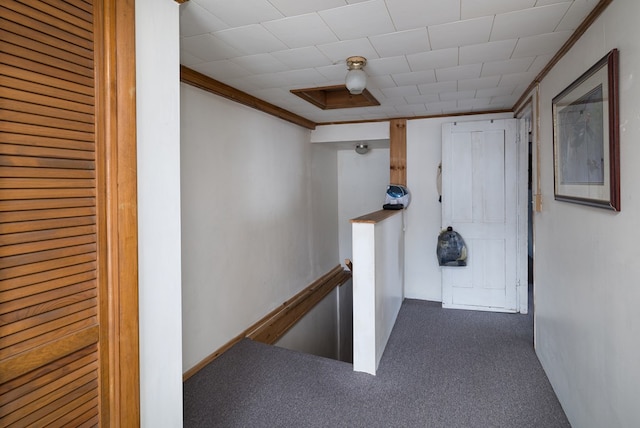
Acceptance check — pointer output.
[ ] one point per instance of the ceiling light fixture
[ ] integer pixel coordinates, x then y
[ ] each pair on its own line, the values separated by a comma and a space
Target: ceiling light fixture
362, 149
356, 79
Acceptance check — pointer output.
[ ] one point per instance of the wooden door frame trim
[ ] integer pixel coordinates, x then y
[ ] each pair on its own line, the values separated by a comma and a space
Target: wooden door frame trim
117, 172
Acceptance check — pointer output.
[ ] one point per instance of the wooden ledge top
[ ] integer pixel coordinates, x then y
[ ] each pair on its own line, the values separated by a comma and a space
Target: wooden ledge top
375, 217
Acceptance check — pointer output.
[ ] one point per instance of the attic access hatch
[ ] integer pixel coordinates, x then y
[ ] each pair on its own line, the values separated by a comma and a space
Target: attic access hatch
333, 97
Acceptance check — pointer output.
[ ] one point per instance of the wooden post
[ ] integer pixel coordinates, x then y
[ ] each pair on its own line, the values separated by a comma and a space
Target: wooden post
398, 151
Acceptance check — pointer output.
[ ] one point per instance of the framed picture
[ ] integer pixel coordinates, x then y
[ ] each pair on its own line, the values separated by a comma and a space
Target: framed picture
586, 152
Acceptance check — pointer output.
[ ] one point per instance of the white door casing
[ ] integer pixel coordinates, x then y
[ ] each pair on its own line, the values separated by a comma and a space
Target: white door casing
480, 201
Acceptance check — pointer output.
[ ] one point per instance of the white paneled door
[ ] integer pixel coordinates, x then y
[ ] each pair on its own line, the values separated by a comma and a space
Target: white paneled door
480, 201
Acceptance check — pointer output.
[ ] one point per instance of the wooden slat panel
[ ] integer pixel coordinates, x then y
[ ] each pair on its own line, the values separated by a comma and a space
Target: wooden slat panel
23, 216
41, 88
41, 377
46, 183
45, 152
77, 416
71, 48
65, 60
52, 299
70, 21
44, 131
18, 365
12, 95
67, 31
69, 400
41, 204
49, 223
35, 162
46, 338
23, 275
44, 111
34, 336
49, 32
41, 69
50, 244
31, 295
21, 71
72, 304
47, 234
15, 46
47, 121
40, 256
76, 10
14, 194
46, 173
78, 376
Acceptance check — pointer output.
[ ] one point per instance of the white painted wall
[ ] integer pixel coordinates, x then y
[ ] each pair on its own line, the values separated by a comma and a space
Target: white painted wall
378, 287
586, 269
362, 183
158, 134
253, 234
423, 217
318, 332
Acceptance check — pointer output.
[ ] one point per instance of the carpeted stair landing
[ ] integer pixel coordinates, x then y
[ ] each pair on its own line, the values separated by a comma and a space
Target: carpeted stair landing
441, 368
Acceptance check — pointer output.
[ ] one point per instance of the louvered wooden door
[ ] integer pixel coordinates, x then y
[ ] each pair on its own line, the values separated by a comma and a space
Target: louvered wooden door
52, 218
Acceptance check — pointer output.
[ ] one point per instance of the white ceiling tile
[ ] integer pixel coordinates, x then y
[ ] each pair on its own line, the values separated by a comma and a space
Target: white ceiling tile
260, 63
409, 14
380, 82
441, 58
382, 66
299, 7
303, 30
187, 59
238, 13
450, 96
417, 99
268, 80
475, 103
528, 22
401, 91
495, 92
475, 8
307, 57
359, 20
389, 101
401, 43
460, 33
495, 68
208, 48
539, 63
481, 83
194, 20
340, 51
492, 51
436, 88
548, 2
506, 101
412, 109
415, 78
335, 72
461, 72
307, 76
221, 69
251, 39
541, 44
516, 79
576, 14
443, 106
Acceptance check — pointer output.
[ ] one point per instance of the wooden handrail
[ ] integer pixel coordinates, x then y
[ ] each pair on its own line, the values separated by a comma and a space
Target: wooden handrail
276, 323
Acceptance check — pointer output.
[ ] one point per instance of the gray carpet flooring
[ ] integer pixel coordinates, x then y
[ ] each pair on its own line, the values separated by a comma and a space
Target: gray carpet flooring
441, 368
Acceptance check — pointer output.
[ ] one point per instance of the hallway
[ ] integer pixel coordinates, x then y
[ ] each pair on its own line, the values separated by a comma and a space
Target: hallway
441, 368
